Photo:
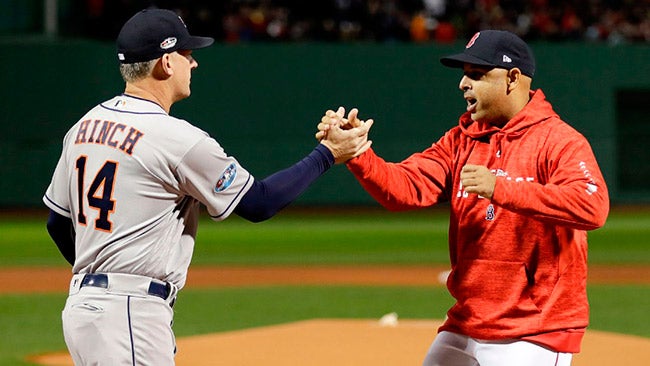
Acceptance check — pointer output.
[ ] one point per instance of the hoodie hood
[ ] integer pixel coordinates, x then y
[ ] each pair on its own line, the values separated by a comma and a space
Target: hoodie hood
537, 110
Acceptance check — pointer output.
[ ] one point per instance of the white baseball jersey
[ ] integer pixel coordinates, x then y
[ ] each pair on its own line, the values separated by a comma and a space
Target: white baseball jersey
132, 178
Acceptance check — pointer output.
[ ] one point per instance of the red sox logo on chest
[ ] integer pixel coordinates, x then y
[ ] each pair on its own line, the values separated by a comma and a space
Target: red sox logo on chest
499, 173
490, 211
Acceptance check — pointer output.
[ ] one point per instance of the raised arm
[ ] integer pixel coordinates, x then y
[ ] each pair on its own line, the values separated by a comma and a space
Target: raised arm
268, 196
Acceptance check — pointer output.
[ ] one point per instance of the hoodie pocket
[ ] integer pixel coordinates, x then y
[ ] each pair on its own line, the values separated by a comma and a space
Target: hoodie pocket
492, 291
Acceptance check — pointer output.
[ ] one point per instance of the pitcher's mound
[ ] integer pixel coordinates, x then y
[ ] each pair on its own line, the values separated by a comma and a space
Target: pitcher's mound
326, 342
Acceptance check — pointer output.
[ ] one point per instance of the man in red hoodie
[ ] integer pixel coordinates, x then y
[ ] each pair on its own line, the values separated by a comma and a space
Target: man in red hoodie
524, 187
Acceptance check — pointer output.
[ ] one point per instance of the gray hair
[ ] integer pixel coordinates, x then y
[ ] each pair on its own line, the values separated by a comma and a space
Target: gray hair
137, 70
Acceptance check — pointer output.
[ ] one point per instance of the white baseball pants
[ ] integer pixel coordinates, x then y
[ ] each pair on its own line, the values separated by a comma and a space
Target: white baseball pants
119, 325
451, 349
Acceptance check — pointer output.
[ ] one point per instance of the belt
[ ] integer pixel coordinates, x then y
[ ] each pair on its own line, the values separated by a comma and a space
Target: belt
161, 290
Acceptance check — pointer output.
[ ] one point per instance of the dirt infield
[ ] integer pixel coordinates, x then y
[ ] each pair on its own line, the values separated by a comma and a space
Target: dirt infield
327, 342
333, 341
21, 279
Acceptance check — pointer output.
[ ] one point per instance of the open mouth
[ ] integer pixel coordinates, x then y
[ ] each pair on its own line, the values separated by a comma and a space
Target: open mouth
471, 104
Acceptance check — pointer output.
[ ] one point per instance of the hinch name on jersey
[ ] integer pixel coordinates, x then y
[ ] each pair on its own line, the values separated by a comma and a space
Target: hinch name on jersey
109, 133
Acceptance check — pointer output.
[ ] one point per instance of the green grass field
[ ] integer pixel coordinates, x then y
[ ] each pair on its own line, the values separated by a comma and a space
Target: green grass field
31, 323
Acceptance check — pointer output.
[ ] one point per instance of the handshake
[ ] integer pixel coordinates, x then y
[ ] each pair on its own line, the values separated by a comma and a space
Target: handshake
347, 137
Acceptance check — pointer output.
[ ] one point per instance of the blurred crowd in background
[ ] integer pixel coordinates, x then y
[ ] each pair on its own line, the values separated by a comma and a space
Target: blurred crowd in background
441, 21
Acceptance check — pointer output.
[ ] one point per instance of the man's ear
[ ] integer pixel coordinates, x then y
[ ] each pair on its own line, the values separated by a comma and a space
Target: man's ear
163, 69
513, 78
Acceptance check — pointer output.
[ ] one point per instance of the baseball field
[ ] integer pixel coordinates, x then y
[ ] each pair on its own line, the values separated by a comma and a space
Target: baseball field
309, 287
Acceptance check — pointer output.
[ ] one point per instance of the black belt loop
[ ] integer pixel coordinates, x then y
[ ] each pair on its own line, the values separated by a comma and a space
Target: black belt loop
161, 290
95, 280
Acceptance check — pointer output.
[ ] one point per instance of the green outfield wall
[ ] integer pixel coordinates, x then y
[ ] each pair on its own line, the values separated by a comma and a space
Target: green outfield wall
262, 103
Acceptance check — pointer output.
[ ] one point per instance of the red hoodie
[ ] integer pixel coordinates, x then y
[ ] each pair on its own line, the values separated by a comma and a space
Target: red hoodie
519, 260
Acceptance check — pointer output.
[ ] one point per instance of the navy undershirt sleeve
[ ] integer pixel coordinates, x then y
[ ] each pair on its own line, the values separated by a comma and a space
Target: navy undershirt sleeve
268, 196
61, 230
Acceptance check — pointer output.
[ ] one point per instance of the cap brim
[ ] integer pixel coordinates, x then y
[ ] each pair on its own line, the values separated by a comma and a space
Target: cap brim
459, 60
195, 42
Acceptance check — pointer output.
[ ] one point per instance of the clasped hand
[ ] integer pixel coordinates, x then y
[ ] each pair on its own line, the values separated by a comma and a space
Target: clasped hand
347, 137
478, 179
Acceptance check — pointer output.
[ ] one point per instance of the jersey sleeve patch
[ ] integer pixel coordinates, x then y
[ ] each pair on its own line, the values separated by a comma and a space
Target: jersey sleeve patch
226, 178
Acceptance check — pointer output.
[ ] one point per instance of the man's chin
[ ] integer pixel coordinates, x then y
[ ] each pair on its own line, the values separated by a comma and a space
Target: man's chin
477, 118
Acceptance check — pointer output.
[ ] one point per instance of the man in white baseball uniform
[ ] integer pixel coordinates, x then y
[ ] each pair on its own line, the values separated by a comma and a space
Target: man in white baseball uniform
125, 195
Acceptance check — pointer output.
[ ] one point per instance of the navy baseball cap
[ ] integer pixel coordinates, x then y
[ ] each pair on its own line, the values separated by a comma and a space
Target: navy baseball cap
495, 48
151, 33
